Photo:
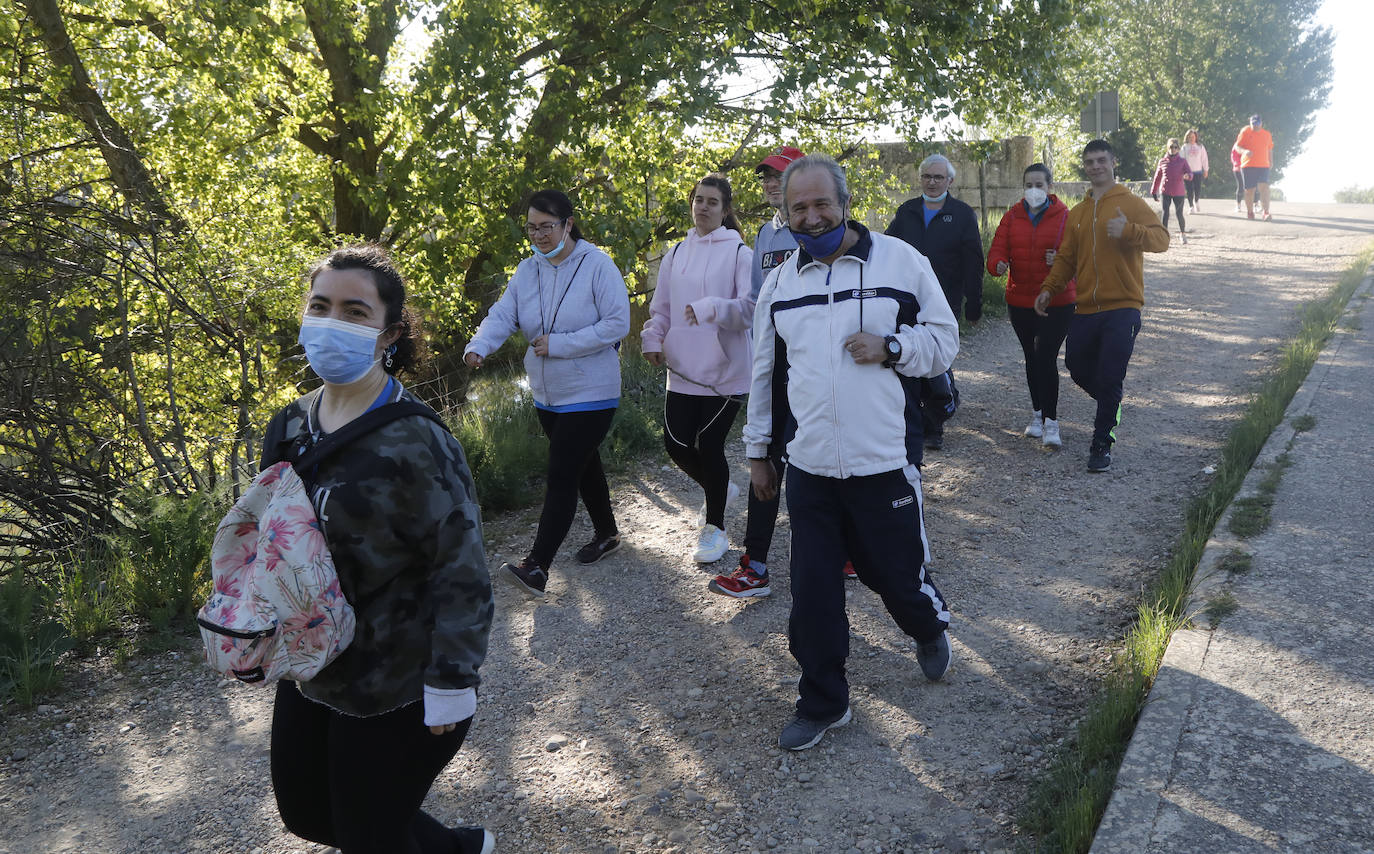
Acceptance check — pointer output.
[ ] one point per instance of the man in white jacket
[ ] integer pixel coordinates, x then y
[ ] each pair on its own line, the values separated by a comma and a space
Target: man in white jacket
843, 331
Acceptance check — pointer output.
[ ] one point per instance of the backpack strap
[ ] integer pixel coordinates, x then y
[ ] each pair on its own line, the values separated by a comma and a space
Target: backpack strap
361, 426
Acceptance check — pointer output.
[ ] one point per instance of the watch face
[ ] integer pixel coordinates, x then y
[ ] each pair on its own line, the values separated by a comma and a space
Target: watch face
894, 347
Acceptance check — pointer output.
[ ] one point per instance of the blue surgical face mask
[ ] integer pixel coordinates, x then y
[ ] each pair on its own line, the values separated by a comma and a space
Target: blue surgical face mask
822, 245
339, 352
935, 199
552, 253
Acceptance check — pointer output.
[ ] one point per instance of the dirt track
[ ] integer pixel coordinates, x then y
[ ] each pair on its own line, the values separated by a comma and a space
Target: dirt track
633, 711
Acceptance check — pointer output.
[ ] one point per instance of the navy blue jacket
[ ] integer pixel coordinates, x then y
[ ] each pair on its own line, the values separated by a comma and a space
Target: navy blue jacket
954, 247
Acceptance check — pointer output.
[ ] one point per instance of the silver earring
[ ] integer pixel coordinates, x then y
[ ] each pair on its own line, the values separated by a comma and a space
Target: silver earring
390, 351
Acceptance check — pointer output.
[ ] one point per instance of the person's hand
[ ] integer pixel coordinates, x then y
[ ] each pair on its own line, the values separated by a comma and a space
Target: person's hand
1205, 173
763, 479
1002, 268
1154, 196
1116, 225
1049, 257
472, 360
1042, 303
655, 359
440, 730
691, 316
541, 344
865, 348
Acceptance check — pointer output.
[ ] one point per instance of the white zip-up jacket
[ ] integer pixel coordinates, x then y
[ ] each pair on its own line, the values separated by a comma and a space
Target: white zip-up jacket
836, 417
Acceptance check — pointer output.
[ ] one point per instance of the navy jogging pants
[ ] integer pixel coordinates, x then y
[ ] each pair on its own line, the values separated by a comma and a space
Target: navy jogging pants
877, 522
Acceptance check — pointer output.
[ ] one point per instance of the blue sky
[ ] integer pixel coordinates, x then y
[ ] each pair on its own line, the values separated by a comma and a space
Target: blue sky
1340, 151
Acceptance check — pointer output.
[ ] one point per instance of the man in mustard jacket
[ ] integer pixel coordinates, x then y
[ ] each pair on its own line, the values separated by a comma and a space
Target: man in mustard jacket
1104, 243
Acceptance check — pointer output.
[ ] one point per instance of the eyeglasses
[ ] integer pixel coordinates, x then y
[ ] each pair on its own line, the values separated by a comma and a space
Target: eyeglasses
934, 177
770, 177
1173, 148
543, 230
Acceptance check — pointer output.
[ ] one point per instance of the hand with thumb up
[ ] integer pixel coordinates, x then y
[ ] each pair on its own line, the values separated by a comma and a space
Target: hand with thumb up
1116, 224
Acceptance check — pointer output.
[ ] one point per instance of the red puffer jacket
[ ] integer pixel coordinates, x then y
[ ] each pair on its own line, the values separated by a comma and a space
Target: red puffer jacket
1023, 245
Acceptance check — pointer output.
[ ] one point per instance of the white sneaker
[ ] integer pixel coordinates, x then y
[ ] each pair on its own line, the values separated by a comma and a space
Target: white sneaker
731, 493
711, 545
1051, 438
1034, 428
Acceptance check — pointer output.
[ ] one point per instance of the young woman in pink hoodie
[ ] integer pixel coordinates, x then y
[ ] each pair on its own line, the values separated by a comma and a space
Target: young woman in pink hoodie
698, 328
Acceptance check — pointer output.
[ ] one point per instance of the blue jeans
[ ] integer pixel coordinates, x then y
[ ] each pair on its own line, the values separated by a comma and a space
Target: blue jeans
1097, 352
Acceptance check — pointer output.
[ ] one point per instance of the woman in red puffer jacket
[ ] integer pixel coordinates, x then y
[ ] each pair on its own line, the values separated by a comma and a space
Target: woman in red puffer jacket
1025, 244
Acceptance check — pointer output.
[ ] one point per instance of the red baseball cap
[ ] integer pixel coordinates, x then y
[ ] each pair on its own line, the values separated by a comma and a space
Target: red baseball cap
780, 159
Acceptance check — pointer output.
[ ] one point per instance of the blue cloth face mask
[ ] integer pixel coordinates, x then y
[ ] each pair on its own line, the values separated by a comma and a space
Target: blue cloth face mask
935, 199
339, 352
822, 245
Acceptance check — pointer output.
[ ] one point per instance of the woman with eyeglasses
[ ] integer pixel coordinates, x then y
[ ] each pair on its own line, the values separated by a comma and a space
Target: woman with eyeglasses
570, 301
698, 328
1172, 176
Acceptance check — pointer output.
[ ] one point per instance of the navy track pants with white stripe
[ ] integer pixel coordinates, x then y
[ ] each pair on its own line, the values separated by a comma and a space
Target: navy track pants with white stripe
877, 522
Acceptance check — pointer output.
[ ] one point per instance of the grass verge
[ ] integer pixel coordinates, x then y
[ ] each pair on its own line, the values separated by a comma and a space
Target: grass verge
1063, 810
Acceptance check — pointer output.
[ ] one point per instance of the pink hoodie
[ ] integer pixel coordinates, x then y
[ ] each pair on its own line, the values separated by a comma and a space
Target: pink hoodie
712, 275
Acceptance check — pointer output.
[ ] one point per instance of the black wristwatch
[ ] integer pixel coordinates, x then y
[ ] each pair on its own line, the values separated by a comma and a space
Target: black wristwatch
894, 351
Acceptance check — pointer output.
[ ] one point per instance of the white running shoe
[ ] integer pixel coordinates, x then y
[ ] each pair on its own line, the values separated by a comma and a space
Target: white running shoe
1035, 427
1051, 437
731, 493
711, 545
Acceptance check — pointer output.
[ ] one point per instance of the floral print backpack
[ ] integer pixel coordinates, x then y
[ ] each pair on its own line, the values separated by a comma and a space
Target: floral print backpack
277, 610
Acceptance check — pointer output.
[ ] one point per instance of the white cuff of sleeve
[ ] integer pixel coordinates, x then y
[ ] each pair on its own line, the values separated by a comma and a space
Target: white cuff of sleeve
445, 706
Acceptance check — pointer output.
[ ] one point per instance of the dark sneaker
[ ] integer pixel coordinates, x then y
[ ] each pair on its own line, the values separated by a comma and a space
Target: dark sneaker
1100, 458
528, 576
598, 548
935, 657
801, 733
742, 583
848, 571
935, 442
474, 840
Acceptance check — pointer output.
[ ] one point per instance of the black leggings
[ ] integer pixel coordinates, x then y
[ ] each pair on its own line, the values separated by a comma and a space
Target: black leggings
1178, 203
358, 783
1240, 186
1041, 338
574, 469
694, 431
1195, 188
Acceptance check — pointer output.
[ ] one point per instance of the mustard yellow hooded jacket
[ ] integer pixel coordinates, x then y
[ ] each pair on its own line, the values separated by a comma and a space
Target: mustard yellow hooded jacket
1110, 272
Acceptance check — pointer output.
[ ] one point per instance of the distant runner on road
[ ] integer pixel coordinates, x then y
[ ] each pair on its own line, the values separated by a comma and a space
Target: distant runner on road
1256, 149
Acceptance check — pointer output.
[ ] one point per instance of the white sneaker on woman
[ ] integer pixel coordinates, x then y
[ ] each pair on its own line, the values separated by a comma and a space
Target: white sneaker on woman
711, 545
1051, 438
731, 493
1036, 426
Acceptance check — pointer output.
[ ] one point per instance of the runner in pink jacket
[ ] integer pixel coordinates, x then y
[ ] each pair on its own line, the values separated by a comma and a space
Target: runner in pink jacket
1172, 176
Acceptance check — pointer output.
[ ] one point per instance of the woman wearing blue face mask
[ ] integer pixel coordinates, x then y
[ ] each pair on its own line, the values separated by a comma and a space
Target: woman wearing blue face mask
356, 748
570, 302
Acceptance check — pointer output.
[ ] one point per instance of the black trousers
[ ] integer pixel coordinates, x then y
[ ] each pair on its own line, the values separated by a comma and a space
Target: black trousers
762, 518
574, 469
939, 402
1097, 353
695, 428
1178, 205
1195, 188
1240, 186
876, 522
1041, 338
358, 783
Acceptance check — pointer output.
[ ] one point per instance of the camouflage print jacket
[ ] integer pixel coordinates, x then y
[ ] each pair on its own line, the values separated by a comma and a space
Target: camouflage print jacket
399, 511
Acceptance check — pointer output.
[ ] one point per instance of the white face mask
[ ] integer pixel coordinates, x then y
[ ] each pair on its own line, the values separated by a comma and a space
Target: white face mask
1035, 197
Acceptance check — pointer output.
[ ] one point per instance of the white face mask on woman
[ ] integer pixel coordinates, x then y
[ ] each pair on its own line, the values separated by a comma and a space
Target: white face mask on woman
1035, 197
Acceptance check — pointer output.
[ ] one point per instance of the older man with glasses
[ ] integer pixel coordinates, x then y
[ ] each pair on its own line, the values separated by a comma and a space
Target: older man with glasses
945, 230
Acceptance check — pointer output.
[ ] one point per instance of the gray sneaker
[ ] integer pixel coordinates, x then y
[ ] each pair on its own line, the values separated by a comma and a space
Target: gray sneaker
801, 733
935, 657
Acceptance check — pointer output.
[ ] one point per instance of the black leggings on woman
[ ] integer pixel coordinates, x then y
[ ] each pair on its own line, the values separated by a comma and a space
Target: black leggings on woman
1041, 338
694, 432
1178, 203
358, 783
1240, 186
1195, 189
574, 468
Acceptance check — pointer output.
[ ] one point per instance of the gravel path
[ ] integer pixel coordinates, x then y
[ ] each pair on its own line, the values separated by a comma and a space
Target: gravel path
633, 711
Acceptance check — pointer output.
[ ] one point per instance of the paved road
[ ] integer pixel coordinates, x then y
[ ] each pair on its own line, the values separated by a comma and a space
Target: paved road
1258, 734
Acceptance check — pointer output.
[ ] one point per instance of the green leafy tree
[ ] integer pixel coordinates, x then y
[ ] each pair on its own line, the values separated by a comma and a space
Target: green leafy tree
1355, 195
1210, 64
